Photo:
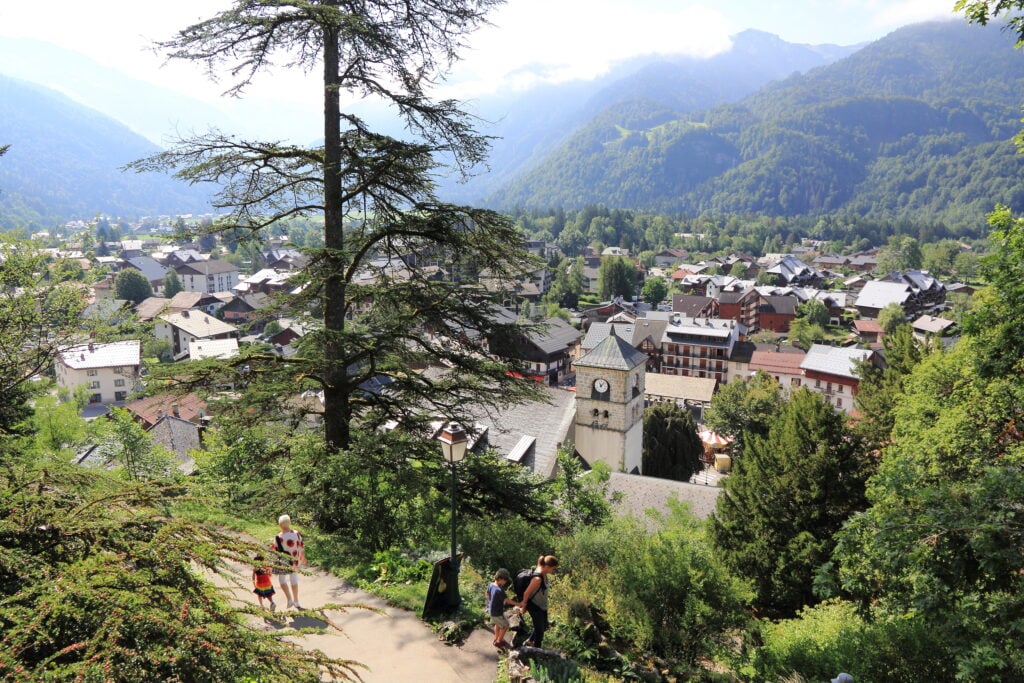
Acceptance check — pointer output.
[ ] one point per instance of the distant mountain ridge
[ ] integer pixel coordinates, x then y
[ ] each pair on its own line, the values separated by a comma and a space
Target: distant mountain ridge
915, 125
529, 126
64, 162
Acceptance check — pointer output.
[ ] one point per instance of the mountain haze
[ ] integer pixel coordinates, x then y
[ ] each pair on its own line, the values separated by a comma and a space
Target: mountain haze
65, 160
915, 125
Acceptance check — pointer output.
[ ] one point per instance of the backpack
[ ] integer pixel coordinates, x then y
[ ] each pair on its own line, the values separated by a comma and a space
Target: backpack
522, 581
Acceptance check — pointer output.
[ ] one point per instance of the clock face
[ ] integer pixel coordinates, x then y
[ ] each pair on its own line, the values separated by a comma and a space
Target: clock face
600, 386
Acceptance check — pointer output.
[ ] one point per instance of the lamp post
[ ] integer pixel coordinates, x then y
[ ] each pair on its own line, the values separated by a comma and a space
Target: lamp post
453, 446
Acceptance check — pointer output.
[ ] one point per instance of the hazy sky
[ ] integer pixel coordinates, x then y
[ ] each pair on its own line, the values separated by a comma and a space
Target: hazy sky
571, 38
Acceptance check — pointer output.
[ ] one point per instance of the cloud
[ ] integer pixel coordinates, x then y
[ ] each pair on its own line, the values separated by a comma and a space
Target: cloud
891, 15
581, 39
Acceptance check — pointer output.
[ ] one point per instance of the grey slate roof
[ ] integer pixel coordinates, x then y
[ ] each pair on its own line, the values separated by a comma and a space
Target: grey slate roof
549, 421
613, 353
879, 294
640, 494
179, 437
148, 267
556, 335
782, 305
835, 360
690, 305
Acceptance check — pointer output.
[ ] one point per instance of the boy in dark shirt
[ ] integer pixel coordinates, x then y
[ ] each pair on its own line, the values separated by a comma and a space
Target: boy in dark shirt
496, 601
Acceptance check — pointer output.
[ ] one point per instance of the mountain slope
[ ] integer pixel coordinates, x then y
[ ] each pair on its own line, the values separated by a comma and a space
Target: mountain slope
883, 132
530, 125
65, 160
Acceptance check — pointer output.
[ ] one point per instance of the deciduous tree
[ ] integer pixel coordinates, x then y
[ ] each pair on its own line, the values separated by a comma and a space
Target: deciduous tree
131, 285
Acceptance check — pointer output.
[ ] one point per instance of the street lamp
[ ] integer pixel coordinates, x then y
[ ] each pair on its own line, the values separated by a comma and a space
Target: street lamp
453, 446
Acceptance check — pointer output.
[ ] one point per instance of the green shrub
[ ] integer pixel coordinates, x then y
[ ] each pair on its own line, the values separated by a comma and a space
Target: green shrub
833, 637
661, 591
509, 542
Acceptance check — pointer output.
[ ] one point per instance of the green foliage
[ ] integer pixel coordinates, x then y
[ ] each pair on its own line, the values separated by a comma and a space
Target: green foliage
616, 277
172, 284
998, 322
672, 448
126, 444
131, 285
833, 636
880, 391
901, 253
501, 540
891, 317
98, 582
654, 290
582, 496
744, 408
814, 312
38, 319
803, 333
788, 493
662, 591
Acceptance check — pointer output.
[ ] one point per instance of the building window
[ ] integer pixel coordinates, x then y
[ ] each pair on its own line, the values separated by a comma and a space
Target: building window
839, 388
817, 384
839, 403
95, 398
94, 385
120, 395
118, 382
92, 373
795, 381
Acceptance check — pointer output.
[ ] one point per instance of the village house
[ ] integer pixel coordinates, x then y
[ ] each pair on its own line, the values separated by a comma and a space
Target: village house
929, 327
784, 366
740, 306
183, 327
208, 276
152, 270
546, 350
832, 371
670, 257
868, 331
148, 411
109, 371
697, 347
775, 313
695, 306
644, 334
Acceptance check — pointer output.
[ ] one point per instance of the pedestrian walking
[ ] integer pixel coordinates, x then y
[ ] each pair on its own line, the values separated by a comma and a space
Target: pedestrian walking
534, 598
496, 601
263, 585
288, 542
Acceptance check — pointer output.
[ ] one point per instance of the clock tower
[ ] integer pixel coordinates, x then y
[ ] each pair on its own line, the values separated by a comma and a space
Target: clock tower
610, 404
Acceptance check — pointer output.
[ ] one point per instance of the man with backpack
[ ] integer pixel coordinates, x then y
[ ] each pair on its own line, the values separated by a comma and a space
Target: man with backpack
531, 587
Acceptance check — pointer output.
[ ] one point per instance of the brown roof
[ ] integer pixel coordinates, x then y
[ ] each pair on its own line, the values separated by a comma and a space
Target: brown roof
777, 362
152, 408
869, 326
149, 308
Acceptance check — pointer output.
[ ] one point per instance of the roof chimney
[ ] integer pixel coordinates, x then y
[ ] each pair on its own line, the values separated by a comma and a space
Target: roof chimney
175, 410
91, 347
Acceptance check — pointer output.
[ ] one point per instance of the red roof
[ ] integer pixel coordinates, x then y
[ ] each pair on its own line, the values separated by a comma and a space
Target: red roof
774, 362
869, 326
152, 408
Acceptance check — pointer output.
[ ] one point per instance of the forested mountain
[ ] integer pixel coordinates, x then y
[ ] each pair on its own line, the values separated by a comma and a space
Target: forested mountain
530, 125
64, 162
917, 124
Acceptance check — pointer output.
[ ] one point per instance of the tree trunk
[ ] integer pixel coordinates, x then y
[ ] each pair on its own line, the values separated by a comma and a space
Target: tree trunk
336, 405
